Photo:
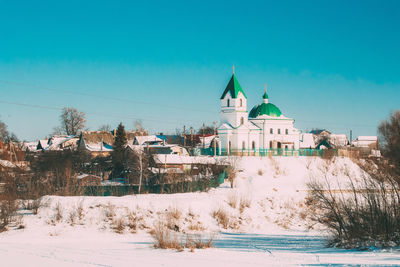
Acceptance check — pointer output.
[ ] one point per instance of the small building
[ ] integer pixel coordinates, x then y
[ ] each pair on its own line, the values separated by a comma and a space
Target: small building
307, 141
88, 180
97, 143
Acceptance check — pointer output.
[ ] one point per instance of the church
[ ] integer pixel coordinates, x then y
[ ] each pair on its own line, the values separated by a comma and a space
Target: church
262, 129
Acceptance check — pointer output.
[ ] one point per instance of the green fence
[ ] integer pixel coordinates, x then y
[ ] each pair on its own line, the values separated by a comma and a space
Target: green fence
178, 187
269, 152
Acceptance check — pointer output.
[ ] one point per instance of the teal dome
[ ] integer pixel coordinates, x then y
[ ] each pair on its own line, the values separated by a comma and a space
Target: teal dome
265, 109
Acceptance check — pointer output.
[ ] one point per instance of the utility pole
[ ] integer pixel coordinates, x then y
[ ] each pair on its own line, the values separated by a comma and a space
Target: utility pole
184, 135
215, 138
204, 139
191, 136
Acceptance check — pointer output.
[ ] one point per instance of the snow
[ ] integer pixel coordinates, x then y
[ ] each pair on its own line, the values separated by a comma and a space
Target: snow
274, 230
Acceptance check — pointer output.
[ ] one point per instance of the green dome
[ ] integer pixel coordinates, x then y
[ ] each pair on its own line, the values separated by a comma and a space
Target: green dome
265, 109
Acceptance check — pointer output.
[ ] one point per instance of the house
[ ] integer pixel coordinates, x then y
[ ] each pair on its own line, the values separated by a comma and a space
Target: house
97, 143
307, 141
42, 144
366, 141
62, 142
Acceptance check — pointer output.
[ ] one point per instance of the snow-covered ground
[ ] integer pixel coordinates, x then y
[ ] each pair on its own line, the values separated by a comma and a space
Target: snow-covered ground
267, 223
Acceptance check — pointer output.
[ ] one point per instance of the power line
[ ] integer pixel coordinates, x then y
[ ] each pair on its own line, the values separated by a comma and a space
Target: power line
102, 96
89, 113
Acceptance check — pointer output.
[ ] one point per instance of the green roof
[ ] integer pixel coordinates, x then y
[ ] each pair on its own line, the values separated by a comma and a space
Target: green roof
265, 109
233, 88
265, 96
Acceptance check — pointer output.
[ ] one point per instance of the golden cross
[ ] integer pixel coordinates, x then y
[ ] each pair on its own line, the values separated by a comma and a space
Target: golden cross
265, 87
233, 68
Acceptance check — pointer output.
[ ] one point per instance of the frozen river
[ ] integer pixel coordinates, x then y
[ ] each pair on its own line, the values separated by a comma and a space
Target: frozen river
103, 249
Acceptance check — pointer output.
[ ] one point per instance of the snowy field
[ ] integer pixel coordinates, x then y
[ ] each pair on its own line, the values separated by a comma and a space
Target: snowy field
267, 224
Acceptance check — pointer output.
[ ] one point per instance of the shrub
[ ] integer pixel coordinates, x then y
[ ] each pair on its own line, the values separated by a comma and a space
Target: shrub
367, 214
8, 210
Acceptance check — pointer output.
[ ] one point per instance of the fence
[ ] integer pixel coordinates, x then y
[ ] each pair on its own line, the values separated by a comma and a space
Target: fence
178, 187
269, 152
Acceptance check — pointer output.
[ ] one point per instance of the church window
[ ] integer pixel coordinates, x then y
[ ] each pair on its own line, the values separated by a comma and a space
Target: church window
270, 144
286, 131
243, 145
279, 131
253, 145
241, 102
241, 121
227, 103
271, 131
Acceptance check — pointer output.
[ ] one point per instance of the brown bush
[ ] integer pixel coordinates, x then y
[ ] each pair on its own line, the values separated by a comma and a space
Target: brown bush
222, 217
164, 238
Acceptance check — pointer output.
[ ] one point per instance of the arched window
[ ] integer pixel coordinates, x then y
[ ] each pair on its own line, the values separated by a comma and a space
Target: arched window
243, 145
229, 147
270, 144
271, 131
241, 121
253, 145
279, 131
241, 102
286, 131
227, 103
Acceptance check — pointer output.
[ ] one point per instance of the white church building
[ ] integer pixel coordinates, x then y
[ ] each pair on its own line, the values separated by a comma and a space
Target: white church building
262, 129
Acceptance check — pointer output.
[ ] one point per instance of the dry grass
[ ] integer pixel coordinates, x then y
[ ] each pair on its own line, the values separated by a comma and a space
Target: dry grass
132, 221
164, 238
233, 200
109, 211
196, 241
172, 217
222, 217
196, 226
58, 212
245, 202
118, 225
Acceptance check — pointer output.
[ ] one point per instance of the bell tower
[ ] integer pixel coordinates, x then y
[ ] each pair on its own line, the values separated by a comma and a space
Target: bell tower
233, 104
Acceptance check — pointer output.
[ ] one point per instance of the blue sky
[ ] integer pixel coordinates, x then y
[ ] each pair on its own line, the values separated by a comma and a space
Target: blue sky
328, 64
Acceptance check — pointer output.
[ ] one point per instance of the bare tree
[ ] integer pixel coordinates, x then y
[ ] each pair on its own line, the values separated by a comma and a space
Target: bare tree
138, 125
389, 133
105, 128
72, 121
5, 135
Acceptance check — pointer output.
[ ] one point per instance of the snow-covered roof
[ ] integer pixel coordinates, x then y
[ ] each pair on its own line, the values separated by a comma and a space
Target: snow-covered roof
307, 140
338, 139
367, 138
31, 146
7, 164
56, 141
43, 144
142, 140
99, 147
180, 159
